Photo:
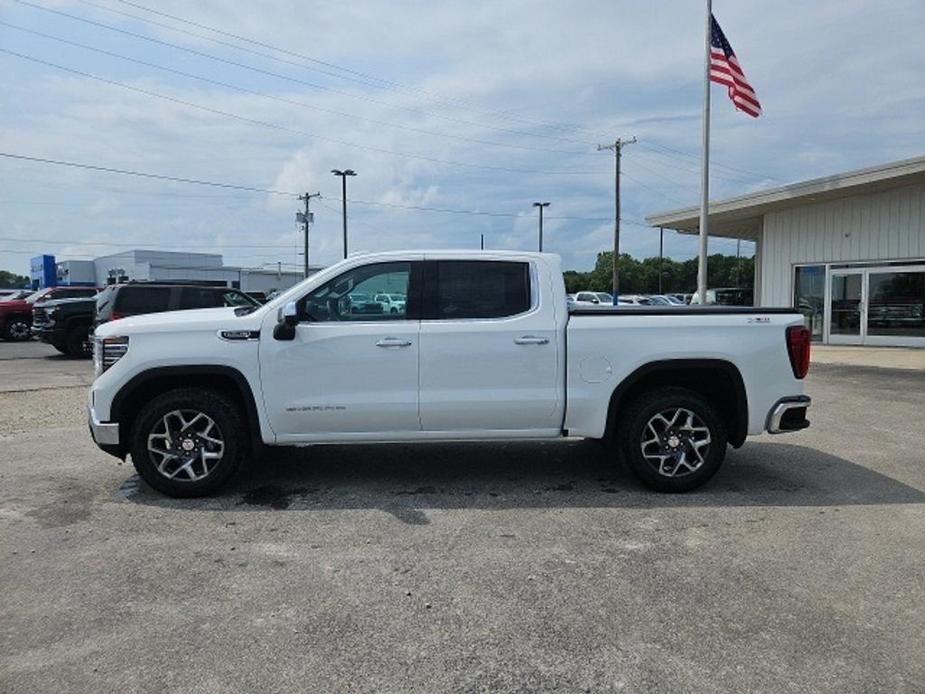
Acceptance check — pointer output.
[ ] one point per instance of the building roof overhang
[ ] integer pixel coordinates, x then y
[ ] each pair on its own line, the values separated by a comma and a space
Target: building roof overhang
741, 217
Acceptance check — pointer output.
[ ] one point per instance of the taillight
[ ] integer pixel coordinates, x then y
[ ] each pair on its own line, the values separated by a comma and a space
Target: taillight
798, 349
115, 316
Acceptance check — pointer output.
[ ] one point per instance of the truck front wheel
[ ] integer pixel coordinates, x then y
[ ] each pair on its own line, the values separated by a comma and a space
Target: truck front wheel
77, 342
188, 443
17, 329
673, 439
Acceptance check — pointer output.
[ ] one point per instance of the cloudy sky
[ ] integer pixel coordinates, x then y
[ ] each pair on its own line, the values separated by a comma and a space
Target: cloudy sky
477, 106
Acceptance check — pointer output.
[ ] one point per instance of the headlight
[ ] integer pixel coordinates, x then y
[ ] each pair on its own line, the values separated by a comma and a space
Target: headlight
107, 351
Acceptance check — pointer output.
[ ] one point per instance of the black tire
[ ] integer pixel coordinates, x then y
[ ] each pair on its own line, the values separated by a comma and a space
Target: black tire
75, 344
634, 430
18, 329
232, 430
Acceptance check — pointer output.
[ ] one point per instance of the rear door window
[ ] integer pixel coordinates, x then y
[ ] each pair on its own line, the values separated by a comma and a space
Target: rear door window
131, 300
200, 297
481, 289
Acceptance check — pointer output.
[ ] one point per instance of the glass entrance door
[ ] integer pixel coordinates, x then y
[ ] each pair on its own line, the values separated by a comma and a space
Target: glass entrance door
846, 307
877, 306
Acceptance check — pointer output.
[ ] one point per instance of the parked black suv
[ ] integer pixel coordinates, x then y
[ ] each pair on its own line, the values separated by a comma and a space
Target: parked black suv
136, 298
65, 324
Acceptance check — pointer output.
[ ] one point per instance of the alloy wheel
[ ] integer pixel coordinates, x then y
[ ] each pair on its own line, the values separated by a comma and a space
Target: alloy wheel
186, 445
675, 442
19, 330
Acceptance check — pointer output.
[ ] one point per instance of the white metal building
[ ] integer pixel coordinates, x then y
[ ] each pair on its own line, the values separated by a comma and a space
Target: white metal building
848, 250
140, 264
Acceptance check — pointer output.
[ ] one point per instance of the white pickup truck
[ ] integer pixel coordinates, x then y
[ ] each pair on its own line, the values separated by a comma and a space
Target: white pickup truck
484, 348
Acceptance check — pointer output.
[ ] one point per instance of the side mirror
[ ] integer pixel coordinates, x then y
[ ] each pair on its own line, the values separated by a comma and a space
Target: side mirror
289, 314
595, 301
287, 319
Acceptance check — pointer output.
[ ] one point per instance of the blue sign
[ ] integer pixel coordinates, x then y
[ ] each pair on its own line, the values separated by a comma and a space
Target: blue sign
44, 271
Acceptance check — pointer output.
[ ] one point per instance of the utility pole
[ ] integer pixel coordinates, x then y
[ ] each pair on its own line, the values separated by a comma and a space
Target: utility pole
343, 177
738, 266
306, 219
541, 205
482, 241
661, 255
617, 148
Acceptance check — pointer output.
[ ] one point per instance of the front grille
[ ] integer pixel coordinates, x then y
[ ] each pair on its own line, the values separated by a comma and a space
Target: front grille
39, 317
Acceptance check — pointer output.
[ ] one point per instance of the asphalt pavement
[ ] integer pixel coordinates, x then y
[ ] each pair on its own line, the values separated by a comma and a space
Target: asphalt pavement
475, 567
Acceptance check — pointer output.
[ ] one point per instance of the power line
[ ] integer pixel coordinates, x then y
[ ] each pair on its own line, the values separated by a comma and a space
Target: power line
144, 243
294, 102
141, 174
696, 157
288, 78
193, 181
355, 73
283, 128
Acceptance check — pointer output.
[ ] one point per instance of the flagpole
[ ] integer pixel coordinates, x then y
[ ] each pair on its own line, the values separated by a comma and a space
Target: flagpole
705, 172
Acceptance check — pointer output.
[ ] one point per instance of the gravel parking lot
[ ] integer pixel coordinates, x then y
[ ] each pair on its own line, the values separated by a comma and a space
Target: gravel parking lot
478, 567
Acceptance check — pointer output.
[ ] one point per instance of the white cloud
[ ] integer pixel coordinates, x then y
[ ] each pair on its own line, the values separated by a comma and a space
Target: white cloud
841, 88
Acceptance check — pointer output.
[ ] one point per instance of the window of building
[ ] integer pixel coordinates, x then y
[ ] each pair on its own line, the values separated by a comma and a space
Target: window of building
809, 297
896, 304
481, 289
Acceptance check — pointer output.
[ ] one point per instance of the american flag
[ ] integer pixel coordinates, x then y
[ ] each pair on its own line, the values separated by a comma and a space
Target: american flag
725, 70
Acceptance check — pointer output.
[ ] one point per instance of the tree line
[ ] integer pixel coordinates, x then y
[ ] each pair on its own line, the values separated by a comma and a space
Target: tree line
641, 276
12, 280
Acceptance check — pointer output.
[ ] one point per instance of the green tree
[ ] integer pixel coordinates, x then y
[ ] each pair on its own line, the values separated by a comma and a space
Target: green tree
641, 276
11, 279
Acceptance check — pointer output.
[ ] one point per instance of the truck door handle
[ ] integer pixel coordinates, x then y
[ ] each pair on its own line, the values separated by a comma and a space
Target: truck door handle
531, 340
393, 342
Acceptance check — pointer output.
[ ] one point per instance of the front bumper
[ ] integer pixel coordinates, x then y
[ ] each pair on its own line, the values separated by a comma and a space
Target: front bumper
47, 334
789, 414
105, 434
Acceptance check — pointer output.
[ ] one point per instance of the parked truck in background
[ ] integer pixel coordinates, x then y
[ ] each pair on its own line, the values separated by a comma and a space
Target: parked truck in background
485, 348
65, 325
16, 315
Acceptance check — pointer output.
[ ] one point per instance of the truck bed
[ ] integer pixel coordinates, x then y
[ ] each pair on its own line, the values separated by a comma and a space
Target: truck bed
681, 310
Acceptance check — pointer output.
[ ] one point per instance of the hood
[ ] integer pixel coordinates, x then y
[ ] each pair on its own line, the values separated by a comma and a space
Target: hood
15, 305
72, 300
200, 319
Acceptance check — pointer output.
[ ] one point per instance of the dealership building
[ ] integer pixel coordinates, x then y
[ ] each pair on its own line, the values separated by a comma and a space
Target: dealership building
848, 250
158, 266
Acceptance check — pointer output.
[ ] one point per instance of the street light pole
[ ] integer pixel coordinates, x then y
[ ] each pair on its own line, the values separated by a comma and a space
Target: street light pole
343, 177
541, 205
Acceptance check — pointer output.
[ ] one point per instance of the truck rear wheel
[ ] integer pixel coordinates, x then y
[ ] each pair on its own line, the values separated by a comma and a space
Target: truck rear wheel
673, 439
188, 443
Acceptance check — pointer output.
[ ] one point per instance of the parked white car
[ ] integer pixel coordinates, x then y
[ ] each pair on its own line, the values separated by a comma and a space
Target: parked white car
593, 299
634, 300
488, 351
391, 303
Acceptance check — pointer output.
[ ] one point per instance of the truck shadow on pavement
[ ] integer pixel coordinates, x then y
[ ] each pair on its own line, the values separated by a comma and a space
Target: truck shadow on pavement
406, 480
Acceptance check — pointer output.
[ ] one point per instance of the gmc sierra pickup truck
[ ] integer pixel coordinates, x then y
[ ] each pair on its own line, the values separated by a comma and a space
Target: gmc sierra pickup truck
484, 348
